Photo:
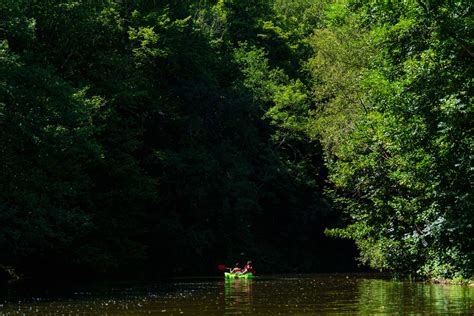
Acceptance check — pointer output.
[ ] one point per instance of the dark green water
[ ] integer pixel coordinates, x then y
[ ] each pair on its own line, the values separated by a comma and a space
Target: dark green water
272, 295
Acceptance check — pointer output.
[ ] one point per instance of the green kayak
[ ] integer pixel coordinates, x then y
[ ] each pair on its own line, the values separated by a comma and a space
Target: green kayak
229, 275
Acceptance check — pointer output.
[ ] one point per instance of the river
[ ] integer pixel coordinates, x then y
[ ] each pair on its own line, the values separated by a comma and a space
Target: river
265, 295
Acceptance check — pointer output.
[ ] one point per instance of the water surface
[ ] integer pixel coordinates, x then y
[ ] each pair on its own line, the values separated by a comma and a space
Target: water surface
272, 295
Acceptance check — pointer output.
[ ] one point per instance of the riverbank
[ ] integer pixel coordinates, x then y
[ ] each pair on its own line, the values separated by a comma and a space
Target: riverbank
458, 281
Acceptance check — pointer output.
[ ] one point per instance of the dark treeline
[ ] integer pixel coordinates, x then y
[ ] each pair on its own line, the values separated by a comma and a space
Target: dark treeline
133, 135
166, 137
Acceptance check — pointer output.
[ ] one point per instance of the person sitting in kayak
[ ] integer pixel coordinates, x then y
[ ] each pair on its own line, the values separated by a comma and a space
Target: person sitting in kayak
248, 268
236, 269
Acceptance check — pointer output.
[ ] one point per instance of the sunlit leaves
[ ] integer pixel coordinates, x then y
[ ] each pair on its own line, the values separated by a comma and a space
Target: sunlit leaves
391, 168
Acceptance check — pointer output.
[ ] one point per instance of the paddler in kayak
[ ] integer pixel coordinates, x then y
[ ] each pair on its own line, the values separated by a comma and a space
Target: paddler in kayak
248, 268
236, 269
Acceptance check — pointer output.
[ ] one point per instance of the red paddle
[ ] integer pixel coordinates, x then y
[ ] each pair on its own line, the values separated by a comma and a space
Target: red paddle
222, 267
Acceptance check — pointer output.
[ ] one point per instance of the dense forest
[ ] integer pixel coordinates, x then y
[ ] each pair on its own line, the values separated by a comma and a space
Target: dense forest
165, 137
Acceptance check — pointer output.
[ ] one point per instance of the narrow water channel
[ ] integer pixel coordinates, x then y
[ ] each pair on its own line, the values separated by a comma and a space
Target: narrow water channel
272, 295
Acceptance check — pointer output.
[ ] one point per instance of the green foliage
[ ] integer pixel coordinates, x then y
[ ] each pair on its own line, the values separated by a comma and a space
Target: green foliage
171, 135
46, 128
157, 136
400, 169
341, 56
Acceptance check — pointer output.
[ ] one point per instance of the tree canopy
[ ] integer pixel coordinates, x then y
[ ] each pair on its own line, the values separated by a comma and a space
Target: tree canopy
166, 137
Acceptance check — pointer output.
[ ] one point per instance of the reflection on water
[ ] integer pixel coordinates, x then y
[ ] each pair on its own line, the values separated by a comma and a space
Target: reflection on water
402, 297
286, 295
238, 296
